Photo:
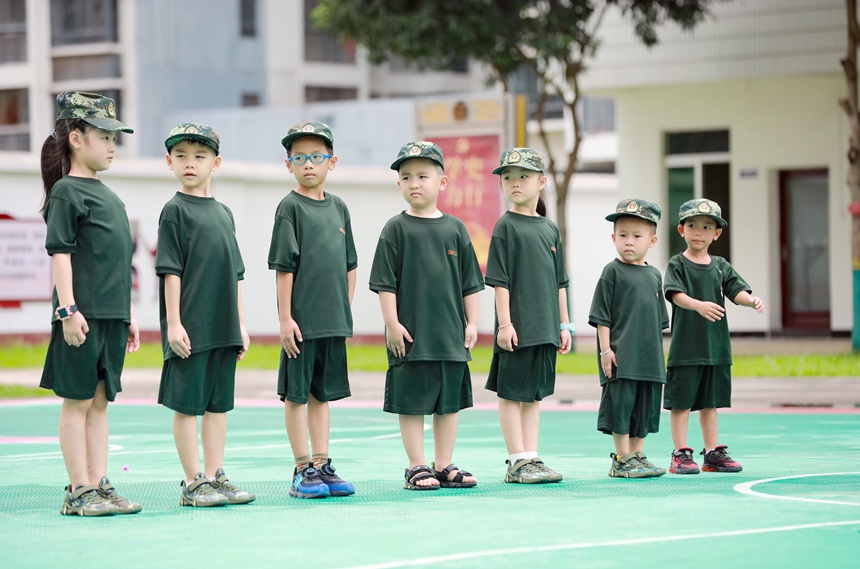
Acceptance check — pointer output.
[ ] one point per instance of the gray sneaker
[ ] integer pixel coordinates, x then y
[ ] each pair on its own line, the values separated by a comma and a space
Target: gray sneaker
655, 470
86, 501
524, 471
627, 466
124, 506
233, 493
549, 474
201, 494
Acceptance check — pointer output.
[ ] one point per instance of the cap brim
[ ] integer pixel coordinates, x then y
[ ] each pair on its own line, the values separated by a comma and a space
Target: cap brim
396, 164
614, 216
720, 221
288, 140
499, 170
175, 139
110, 125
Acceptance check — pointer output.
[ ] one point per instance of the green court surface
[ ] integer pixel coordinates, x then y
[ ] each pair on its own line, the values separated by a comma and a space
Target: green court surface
796, 504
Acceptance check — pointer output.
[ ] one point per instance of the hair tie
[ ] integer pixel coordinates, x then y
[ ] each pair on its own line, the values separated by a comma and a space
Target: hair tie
54, 134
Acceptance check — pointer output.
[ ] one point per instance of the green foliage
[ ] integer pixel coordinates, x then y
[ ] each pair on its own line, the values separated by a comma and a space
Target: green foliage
21, 392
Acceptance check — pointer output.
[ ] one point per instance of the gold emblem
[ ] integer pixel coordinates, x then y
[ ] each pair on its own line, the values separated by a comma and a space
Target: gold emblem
633, 206
110, 109
514, 157
308, 128
190, 130
704, 207
414, 150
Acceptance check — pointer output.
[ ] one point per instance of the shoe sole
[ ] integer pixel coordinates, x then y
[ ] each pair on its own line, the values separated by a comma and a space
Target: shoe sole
684, 470
240, 501
614, 474
295, 494
721, 469
519, 480
124, 511
201, 504
83, 512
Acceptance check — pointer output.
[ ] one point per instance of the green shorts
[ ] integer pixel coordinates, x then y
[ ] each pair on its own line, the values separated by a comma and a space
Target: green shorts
320, 370
698, 387
526, 374
73, 373
427, 388
630, 407
201, 382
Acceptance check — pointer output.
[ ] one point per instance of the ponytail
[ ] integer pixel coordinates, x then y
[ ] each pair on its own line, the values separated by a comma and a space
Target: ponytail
541, 207
56, 154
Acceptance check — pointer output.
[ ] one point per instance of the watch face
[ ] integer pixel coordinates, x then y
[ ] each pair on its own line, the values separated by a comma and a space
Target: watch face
62, 313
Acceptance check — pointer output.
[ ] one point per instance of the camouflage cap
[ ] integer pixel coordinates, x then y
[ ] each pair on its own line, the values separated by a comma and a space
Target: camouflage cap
644, 209
523, 158
702, 206
420, 149
319, 129
195, 131
91, 108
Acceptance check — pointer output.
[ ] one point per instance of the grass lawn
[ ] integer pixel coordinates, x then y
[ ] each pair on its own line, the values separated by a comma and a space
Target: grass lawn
372, 358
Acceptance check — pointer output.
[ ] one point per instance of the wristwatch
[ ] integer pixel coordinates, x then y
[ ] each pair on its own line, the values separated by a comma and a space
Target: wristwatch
65, 312
567, 326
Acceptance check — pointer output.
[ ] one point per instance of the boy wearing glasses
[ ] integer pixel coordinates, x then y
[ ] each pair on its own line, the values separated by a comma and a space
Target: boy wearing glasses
313, 253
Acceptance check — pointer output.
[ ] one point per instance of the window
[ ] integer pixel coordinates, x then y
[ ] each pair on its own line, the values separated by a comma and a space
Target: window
698, 142
14, 121
83, 21
251, 99
598, 115
316, 94
321, 45
524, 81
248, 18
86, 67
13, 31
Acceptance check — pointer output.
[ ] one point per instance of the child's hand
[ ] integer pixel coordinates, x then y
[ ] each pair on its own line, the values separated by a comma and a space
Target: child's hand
396, 337
75, 330
564, 341
133, 343
608, 360
710, 311
178, 339
757, 304
246, 341
471, 336
507, 338
290, 337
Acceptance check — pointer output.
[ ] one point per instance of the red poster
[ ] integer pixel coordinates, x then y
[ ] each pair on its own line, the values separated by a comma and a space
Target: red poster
473, 192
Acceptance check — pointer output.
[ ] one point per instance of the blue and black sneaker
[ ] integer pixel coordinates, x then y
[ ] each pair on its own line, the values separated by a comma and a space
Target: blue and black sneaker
308, 484
336, 486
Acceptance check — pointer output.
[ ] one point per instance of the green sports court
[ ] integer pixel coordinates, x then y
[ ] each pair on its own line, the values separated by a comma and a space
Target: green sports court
796, 504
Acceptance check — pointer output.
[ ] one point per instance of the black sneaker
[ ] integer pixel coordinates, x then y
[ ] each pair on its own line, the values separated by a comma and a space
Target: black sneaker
308, 484
336, 486
682, 462
124, 506
86, 501
718, 460
233, 493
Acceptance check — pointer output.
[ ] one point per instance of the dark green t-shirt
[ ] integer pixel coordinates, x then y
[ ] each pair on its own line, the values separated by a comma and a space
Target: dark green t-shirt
695, 340
313, 239
527, 258
629, 300
197, 242
88, 220
429, 263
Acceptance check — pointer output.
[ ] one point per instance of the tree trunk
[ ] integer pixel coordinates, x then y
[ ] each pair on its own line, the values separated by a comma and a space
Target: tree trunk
850, 105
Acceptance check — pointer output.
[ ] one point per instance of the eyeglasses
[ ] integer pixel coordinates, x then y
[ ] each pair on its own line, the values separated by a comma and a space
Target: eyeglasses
315, 158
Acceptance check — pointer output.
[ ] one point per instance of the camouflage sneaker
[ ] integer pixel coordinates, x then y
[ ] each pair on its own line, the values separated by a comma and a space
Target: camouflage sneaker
124, 506
655, 471
627, 466
308, 484
201, 494
718, 460
549, 474
86, 501
233, 493
524, 471
682, 462
336, 486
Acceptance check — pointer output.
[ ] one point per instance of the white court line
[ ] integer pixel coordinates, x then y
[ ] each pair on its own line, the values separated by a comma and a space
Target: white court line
746, 488
613, 543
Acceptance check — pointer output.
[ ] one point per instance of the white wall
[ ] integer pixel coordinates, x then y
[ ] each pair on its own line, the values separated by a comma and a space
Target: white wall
774, 124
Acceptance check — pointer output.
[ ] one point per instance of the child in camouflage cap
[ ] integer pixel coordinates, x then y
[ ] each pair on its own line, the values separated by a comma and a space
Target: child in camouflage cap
700, 355
630, 315
93, 324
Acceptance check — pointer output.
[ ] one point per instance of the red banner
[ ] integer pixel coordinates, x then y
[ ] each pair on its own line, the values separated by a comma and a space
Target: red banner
473, 193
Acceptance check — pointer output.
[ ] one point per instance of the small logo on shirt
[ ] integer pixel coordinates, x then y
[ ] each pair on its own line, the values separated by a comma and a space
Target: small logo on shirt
452, 252
552, 248
341, 230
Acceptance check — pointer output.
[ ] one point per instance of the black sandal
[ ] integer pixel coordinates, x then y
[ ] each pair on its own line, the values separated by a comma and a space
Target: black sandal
457, 481
417, 474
